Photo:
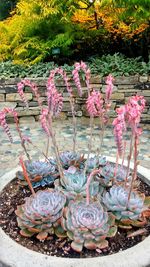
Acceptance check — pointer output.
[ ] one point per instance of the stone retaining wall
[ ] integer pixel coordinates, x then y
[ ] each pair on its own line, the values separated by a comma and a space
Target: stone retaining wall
124, 87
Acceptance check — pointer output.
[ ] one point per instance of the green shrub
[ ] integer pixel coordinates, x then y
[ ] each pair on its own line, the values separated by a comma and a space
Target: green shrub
116, 64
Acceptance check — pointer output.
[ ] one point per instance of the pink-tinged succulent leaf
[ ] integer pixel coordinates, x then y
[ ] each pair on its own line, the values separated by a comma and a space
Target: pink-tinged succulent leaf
137, 223
123, 226
112, 231
59, 232
42, 236
138, 232
77, 246
33, 230
89, 244
26, 233
102, 244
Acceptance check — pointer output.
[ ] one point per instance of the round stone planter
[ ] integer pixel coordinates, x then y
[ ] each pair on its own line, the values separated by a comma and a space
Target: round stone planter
15, 255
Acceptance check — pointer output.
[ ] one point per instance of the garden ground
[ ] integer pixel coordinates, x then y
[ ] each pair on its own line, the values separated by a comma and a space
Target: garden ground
9, 152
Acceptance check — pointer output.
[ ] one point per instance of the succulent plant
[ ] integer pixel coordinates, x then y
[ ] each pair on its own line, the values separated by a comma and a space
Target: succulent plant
116, 201
95, 162
40, 173
74, 183
86, 225
108, 171
41, 213
70, 158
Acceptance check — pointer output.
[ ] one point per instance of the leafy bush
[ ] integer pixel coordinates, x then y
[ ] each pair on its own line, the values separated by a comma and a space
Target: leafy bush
116, 64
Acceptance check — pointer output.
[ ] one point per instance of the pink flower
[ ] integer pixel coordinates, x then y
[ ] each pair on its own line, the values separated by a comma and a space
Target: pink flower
21, 93
130, 115
34, 89
81, 66
4, 124
135, 107
55, 99
76, 78
109, 87
94, 104
119, 128
44, 121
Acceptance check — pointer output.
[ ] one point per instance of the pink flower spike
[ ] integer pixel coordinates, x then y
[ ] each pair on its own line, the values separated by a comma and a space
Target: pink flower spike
4, 124
21, 93
109, 87
119, 128
55, 99
44, 121
81, 66
76, 78
94, 104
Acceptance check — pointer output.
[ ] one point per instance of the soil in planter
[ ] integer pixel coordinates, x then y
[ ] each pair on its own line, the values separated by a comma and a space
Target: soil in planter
14, 195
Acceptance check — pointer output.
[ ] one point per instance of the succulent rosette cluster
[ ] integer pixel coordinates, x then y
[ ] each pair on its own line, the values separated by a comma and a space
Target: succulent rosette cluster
70, 158
86, 225
74, 182
116, 201
91, 196
40, 173
41, 213
108, 174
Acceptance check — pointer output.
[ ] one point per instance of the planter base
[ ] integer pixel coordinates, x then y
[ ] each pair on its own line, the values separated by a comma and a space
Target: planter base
14, 255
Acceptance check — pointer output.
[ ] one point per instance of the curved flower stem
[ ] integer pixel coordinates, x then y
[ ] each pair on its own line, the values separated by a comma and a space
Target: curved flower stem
94, 172
89, 142
45, 156
134, 175
22, 141
47, 147
74, 122
116, 167
26, 175
56, 151
124, 150
129, 158
101, 137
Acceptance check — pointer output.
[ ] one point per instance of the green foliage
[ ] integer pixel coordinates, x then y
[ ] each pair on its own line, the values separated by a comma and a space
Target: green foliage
31, 33
116, 64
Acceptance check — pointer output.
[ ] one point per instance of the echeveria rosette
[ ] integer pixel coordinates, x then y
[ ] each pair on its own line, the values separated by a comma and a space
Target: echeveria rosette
116, 201
107, 173
70, 158
40, 214
40, 173
74, 182
86, 225
95, 162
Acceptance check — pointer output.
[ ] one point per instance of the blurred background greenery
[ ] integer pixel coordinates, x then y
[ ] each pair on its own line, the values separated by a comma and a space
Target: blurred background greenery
36, 31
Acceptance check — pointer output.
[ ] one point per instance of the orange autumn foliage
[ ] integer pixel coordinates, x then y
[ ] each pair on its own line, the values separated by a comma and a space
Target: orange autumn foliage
109, 18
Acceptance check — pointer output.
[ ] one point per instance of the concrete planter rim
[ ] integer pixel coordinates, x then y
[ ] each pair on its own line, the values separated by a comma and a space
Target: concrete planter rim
15, 255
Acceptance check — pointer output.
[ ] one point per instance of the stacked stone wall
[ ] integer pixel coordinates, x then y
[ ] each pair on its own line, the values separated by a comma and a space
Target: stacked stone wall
124, 87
